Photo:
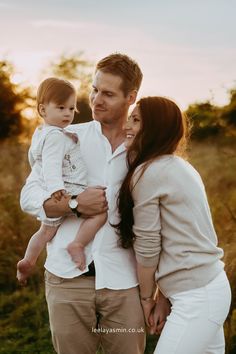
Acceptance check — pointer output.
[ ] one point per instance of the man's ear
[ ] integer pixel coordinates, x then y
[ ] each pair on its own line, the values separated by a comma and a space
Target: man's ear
41, 109
132, 95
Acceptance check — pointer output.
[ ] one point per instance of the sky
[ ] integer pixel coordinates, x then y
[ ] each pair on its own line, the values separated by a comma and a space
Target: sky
185, 48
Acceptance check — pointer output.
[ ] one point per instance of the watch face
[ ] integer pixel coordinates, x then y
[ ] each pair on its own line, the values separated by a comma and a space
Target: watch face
73, 203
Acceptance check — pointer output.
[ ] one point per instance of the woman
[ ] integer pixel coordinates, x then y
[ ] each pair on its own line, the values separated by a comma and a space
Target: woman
165, 216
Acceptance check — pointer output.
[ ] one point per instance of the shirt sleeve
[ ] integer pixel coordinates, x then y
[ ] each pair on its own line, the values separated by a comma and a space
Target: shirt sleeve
52, 159
147, 223
31, 158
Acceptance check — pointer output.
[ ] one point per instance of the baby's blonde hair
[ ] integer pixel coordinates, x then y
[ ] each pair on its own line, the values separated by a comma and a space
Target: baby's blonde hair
54, 90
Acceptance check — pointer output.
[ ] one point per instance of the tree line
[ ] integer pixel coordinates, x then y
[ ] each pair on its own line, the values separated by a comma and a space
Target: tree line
206, 119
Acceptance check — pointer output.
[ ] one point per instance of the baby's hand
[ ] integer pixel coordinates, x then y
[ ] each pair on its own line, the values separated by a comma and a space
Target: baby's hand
59, 194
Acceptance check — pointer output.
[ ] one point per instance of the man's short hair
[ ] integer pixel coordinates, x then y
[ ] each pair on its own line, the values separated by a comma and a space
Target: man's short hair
124, 67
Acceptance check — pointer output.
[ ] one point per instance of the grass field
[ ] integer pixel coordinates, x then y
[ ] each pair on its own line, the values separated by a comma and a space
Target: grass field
24, 323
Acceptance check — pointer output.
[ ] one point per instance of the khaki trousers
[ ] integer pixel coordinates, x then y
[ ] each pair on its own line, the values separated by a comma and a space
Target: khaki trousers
82, 318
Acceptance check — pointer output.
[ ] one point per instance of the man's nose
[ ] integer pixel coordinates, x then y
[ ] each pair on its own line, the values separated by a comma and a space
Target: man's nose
97, 98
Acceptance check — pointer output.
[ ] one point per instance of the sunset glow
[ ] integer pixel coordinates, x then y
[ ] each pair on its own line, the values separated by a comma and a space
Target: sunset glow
184, 53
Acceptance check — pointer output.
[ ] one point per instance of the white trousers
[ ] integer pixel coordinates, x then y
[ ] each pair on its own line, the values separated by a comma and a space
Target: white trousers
195, 324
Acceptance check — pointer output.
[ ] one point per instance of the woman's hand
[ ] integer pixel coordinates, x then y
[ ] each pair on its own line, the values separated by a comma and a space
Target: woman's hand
147, 306
159, 314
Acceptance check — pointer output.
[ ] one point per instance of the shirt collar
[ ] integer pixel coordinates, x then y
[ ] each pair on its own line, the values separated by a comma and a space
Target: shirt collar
98, 126
120, 148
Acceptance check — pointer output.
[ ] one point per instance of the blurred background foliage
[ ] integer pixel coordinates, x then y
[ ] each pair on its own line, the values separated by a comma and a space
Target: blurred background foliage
24, 324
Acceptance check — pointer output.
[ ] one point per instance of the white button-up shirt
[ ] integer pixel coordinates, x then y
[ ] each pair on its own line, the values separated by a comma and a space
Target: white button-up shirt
56, 161
115, 266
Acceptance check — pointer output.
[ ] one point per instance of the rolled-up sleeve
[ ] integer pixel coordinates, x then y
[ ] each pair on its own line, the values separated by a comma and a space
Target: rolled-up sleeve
147, 224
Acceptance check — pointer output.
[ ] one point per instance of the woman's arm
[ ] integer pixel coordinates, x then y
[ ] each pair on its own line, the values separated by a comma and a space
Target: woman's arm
158, 316
147, 196
146, 278
156, 306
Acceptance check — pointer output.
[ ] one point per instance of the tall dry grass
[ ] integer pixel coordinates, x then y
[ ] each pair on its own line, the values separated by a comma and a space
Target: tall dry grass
24, 322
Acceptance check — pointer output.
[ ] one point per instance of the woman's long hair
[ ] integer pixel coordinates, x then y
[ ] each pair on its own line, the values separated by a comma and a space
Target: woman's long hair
163, 131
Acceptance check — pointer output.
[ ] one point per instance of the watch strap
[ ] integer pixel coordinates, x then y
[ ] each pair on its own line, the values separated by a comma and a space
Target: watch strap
74, 210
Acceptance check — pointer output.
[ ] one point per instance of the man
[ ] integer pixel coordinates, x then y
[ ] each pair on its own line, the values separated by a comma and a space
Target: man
85, 310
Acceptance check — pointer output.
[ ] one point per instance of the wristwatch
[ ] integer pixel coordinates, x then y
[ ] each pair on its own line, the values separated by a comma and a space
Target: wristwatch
73, 204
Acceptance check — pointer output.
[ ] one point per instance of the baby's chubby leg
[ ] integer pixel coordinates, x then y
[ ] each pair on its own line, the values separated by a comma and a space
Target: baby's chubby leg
87, 231
35, 246
76, 250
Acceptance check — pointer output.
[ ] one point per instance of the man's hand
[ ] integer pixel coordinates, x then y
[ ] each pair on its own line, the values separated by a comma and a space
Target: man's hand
92, 201
158, 316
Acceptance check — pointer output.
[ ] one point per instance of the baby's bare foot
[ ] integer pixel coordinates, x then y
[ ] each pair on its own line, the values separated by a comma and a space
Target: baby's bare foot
76, 250
24, 269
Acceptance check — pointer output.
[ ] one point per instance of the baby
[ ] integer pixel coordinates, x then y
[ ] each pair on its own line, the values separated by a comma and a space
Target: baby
57, 168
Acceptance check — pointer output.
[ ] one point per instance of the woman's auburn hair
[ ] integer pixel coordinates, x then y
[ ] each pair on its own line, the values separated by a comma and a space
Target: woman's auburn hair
163, 131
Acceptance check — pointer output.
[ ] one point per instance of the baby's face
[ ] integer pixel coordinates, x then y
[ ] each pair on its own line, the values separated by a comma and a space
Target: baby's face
60, 115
